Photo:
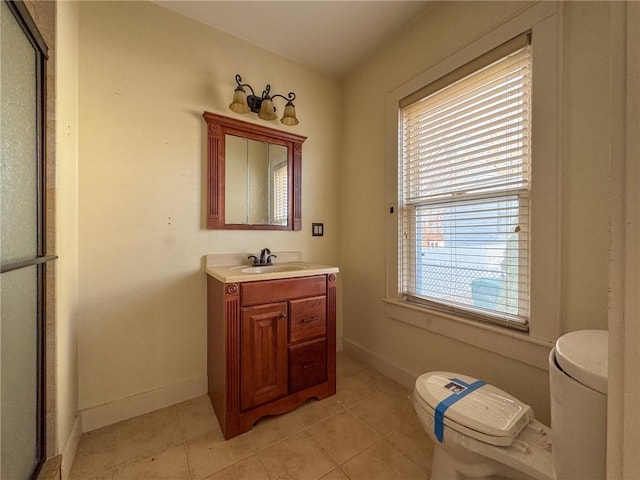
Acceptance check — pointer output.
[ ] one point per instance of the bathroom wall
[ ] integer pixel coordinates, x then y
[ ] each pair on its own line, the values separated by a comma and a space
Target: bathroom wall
443, 30
146, 75
67, 226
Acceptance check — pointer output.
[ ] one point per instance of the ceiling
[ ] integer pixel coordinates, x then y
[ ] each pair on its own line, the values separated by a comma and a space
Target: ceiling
329, 36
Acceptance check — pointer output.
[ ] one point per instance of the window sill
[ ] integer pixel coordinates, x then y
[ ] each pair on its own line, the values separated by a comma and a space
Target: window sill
509, 343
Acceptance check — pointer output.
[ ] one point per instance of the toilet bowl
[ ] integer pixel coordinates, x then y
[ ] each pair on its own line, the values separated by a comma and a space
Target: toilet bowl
480, 431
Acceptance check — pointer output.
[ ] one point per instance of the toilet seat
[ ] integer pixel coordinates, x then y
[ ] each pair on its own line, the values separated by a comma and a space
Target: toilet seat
487, 414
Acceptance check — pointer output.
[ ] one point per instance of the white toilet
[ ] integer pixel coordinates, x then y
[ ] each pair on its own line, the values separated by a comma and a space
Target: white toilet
480, 431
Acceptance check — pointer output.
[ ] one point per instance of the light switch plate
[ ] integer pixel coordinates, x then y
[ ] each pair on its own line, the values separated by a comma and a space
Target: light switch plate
317, 229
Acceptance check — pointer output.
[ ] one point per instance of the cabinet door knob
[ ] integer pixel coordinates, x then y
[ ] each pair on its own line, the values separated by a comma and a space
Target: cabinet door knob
283, 315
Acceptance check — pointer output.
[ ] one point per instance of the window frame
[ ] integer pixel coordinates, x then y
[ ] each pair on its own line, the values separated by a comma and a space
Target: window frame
543, 20
409, 208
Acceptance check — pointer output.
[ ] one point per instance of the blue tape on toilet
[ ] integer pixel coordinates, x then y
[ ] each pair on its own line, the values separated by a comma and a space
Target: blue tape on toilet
438, 427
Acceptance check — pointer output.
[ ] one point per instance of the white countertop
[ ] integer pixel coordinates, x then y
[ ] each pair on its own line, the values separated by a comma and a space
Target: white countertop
236, 268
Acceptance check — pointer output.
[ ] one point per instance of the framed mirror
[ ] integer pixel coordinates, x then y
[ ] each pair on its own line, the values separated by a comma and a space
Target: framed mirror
254, 176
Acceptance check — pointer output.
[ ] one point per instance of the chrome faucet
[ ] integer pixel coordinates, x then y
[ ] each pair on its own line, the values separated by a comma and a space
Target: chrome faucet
265, 258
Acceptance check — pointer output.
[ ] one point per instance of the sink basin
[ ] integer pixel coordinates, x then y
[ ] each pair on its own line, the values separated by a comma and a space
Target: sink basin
274, 268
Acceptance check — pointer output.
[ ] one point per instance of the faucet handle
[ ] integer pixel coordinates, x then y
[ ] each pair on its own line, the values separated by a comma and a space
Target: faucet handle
263, 255
255, 259
269, 258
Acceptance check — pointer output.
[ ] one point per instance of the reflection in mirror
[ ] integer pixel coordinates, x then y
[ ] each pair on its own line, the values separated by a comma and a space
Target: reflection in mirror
279, 194
254, 176
257, 174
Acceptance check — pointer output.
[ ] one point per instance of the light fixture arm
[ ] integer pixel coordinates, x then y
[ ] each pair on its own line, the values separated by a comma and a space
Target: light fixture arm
242, 85
289, 98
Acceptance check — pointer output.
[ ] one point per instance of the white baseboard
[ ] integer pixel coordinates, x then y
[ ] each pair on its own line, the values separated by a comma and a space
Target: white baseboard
390, 369
129, 407
70, 447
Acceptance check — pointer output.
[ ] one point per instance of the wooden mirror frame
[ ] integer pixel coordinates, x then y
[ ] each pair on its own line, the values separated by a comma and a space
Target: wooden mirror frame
217, 127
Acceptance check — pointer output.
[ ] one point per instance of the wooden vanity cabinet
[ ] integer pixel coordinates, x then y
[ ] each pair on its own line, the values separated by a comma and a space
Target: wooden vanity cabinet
271, 346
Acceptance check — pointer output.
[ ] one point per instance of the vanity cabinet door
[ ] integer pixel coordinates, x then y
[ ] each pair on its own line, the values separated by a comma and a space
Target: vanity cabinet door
263, 362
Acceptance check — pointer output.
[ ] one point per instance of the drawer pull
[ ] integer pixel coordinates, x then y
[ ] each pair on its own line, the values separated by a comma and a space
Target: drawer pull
309, 320
283, 315
309, 365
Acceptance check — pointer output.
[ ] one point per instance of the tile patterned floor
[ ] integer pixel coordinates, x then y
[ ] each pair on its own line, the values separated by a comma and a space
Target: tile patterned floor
367, 431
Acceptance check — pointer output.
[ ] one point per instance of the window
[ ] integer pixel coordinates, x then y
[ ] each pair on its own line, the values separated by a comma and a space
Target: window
465, 189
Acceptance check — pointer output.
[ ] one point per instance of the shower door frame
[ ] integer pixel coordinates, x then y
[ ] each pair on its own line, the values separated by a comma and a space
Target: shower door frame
26, 22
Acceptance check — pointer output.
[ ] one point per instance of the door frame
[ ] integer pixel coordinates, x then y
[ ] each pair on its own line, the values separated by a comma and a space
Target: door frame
44, 278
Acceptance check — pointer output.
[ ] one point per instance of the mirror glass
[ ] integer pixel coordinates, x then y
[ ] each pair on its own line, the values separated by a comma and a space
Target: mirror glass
257, 173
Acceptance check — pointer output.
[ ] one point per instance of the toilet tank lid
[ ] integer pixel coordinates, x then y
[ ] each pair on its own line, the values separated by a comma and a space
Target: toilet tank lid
583, 356
487, 410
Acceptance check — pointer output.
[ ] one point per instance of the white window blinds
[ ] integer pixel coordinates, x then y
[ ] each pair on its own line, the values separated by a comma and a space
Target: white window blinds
280, 182
465, 174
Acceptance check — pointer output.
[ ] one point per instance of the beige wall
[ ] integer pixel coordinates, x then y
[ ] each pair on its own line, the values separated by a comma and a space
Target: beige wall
623, 401
67, 217
446, 28
586, 203
145, 77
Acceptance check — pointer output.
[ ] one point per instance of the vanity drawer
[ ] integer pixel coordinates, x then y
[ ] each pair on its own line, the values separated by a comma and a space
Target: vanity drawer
307, 318
307, 364
270, 291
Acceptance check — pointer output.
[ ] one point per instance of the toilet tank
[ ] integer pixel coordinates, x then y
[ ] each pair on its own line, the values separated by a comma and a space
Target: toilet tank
578, 383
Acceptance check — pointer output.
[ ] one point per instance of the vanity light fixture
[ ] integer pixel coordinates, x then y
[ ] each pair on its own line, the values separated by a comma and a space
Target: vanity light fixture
263, 106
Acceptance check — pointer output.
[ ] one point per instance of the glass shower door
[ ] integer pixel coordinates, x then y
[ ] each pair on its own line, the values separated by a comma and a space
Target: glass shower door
21, 245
